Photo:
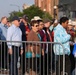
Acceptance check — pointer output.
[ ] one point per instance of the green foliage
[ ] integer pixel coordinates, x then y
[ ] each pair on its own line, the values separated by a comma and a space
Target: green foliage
31, 12
15, 13
46, 15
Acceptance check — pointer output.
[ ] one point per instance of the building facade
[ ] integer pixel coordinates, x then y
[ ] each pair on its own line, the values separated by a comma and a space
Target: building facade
25, 6
64, 7
68, 8
47, 5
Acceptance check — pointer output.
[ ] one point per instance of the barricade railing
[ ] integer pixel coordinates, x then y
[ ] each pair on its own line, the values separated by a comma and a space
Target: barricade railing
38, 58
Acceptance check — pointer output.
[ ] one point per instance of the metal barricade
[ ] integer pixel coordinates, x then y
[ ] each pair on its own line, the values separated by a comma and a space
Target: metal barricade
38, 59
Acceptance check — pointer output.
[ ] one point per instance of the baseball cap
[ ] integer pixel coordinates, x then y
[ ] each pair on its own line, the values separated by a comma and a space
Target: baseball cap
15, 18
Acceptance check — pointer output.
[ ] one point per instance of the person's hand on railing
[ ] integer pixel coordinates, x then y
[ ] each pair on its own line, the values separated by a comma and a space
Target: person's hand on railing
21, 51
10, 51
33, 54
42, 52
31, 49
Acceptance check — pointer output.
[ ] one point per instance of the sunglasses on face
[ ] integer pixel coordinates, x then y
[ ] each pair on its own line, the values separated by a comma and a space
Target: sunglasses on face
36, 25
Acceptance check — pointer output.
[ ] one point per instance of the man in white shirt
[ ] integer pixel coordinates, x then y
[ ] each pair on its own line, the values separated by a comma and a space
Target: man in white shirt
14, 34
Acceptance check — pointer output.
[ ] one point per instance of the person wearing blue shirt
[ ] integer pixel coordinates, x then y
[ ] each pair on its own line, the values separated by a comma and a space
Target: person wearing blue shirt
3, 28
3, 49
61, 35
14, 48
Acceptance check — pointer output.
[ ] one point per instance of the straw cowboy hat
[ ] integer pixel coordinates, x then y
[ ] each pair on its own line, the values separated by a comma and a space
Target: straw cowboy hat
36, 18
74, 23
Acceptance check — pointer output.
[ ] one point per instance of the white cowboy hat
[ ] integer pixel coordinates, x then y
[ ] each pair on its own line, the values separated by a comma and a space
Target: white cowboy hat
74, 23
37, 18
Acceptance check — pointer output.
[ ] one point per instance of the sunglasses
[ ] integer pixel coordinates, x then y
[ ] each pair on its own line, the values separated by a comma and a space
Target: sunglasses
36, 25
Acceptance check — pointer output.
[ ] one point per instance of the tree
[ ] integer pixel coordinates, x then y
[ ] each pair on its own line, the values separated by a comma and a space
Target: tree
15, 13
46, 15
31, 12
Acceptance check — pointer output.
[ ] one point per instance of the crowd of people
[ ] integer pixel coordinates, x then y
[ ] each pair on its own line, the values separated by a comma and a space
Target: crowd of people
40, 30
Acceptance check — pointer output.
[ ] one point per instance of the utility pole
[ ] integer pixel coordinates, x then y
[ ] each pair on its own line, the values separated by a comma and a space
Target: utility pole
55, 7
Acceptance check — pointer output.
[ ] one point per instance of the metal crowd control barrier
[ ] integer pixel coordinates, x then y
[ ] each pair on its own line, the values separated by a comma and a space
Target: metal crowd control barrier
38, 56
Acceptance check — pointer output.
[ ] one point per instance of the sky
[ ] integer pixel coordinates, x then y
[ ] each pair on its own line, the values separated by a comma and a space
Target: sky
7, 6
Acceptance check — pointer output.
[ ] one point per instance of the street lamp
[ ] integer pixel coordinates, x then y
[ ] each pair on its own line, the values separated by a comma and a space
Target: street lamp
44, 10
55, 13
16, 6
44, 13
